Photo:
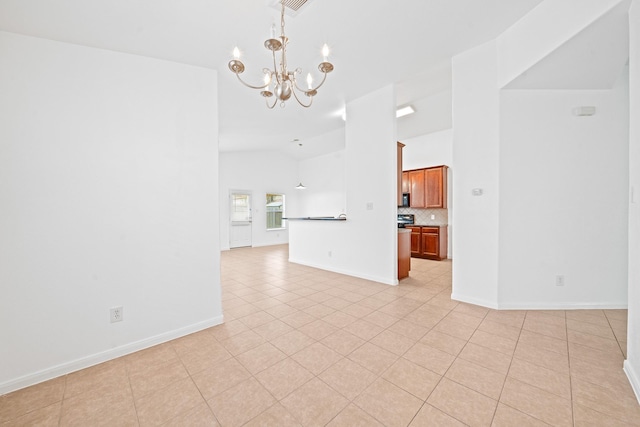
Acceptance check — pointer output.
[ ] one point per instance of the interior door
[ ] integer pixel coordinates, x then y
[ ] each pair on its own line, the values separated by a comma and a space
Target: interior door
240, 217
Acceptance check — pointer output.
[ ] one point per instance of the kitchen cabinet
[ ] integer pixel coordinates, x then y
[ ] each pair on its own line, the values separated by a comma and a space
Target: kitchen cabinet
406, 184
416, 189
435, 187
399, 146
429, 242
427, 187
415, 240
404, 253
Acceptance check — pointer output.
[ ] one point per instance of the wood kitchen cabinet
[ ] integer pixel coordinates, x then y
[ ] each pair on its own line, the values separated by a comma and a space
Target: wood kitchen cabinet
404, 253
427, 187
400, 190
429, 242
416, 189
435, 187
406, 184
415, 240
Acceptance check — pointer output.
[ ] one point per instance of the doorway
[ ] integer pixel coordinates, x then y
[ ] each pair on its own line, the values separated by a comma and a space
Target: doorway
240, 219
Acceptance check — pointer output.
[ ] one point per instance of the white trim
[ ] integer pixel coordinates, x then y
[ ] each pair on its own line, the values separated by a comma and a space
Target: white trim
474, 301
633, 377
538, 306
562, 306
382, 280
94, 359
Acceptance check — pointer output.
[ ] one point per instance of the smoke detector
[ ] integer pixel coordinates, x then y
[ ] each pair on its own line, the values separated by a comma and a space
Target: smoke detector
291, 7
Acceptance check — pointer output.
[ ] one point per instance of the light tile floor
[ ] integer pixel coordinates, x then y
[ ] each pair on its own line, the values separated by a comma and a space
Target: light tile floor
301, 346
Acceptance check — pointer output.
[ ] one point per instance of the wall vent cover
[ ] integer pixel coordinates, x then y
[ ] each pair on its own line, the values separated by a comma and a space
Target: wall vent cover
291, 7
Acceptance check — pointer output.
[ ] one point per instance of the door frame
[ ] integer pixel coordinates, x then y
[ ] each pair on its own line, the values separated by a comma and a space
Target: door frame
248, 223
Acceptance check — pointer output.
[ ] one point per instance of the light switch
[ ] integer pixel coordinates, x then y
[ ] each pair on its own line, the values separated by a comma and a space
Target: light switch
477, 192
369, 206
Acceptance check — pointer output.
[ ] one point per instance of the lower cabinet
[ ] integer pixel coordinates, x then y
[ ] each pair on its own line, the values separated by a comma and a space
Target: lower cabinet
415, 240
429, 242
404, 253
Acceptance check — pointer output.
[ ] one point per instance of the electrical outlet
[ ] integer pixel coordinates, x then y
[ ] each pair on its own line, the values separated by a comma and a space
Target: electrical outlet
559, 280
117, 314
330, 254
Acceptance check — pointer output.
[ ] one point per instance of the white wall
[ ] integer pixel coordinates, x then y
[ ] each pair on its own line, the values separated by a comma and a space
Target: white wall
433, 149
324, 177
433, 115
552, 23
632, 364
109, 189
563, 199
539, 168
260, 173
366, 244
476, 136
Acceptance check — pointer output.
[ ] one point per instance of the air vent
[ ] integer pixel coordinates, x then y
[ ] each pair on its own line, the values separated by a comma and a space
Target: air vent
291, 7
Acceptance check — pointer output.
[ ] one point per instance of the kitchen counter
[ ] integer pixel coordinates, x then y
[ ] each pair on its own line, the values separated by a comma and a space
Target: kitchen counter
318, 218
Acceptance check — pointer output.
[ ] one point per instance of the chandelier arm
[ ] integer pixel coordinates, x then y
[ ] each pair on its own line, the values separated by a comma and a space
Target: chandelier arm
295, 95
250, 86
295, 82
275, 101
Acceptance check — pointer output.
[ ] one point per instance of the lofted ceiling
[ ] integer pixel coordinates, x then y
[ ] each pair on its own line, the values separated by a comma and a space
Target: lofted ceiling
373, 44
592, 59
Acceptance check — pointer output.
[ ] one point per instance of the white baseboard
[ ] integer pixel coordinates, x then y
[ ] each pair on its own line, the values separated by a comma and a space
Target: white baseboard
537, 306
634, 378
378, 279
561, 306
94, 359
474, 301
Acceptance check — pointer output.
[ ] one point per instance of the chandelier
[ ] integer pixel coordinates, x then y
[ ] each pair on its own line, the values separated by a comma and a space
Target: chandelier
279, 82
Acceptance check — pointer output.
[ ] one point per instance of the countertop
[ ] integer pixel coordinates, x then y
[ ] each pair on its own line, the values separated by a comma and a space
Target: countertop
317, 218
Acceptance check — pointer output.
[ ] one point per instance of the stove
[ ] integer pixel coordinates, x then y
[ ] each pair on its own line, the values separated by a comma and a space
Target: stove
405, 219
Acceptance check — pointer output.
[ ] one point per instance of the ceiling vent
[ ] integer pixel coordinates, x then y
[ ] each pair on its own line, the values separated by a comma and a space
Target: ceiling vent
291, 7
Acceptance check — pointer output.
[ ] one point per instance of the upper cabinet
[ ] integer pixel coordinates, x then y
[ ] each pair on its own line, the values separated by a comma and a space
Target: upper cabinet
427, 187
435, 187
399, 178
406, 184
417, 188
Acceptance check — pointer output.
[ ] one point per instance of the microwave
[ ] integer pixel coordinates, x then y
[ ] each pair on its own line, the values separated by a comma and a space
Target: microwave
405, 200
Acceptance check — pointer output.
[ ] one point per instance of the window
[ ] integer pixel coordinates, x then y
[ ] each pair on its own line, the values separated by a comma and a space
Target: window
275, 211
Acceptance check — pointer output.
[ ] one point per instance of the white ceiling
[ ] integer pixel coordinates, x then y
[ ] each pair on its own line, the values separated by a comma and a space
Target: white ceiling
592, 59
373, 44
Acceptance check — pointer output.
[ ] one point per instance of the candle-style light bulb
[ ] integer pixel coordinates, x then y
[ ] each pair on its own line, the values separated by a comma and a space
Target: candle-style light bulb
236, 53
325, 52
273, 30
267, 79
309, 81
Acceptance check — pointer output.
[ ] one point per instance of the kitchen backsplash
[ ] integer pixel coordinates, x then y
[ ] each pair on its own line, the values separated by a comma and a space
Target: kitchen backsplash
423, 216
